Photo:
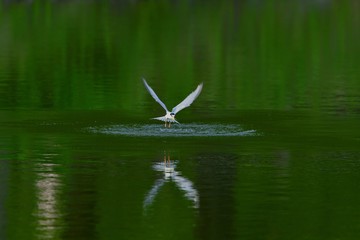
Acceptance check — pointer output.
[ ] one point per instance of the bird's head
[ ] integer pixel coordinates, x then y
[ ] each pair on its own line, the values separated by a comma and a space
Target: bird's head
172, 115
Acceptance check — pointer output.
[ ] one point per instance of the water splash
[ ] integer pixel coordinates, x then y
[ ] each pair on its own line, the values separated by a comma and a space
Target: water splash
182, 130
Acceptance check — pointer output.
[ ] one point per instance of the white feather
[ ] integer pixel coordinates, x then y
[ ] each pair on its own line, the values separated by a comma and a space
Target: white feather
153, 94
165, 119
188, 100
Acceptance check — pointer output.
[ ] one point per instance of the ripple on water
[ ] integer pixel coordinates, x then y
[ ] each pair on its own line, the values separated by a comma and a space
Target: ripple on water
182, 130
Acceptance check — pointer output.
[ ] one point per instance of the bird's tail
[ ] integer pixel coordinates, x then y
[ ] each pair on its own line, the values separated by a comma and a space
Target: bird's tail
164, 119
160, 118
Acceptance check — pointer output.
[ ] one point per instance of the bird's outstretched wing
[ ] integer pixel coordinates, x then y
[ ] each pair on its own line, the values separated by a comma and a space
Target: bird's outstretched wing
188, 100
153, 94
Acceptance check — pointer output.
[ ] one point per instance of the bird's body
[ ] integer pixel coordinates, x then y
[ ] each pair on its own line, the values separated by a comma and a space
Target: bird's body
170, 115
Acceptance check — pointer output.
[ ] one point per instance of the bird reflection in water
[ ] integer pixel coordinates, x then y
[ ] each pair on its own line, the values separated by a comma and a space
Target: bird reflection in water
168, 167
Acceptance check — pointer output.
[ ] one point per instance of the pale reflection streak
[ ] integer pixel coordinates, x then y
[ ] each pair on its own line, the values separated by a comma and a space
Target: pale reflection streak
48, 214
171, 175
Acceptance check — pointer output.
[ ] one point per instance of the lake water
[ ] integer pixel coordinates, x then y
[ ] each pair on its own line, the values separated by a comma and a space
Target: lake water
269, 150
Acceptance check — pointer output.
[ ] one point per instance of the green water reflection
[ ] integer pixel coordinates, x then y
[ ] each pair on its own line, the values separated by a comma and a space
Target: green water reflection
288, 72
91, 56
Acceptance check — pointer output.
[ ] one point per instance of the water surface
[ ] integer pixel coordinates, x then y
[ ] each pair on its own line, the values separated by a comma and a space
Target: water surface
186, 130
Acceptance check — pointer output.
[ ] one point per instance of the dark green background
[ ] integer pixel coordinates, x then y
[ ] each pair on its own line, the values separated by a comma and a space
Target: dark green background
287, 69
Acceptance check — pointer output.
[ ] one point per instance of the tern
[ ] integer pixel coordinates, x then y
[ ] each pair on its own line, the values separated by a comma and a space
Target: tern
170, 115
